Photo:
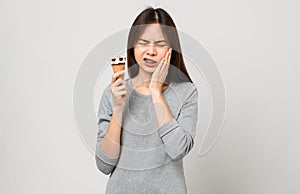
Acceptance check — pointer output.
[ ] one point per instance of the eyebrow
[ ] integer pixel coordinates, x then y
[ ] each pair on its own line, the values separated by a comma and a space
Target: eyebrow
154, 42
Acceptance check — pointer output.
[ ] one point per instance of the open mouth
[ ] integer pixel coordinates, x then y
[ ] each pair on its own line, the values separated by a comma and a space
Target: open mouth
150, 62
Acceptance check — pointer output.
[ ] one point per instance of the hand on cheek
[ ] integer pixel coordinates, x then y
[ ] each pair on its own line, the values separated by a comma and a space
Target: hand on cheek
160, 73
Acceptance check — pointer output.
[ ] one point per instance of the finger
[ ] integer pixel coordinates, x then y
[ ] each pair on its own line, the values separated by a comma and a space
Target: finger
120, 87
123, 92
165, 70
167, 64
158, 69
165, 67
161, 64
116, 75
168, 59
124, 95
170, 54
118, 82
119, 94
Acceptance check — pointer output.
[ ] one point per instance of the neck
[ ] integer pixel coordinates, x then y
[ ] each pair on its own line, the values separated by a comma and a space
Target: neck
142, 79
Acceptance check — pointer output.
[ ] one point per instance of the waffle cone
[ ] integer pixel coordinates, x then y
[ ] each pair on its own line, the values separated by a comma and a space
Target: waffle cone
118, 67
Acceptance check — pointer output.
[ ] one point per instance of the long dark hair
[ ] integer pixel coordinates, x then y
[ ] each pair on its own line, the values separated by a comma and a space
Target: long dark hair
178, 73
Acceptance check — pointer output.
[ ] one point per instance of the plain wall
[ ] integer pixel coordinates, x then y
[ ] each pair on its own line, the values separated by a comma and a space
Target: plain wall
255, 45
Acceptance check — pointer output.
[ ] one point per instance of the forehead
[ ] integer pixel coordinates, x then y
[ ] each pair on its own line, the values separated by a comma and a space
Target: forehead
152, 31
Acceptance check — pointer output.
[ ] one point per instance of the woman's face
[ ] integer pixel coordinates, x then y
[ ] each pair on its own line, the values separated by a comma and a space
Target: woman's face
150, 48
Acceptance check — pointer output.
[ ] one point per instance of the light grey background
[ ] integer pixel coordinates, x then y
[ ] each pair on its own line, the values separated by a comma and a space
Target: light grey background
254, 43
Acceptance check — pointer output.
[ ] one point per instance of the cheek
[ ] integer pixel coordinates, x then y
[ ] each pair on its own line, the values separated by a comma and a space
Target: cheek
138, 54
163, 53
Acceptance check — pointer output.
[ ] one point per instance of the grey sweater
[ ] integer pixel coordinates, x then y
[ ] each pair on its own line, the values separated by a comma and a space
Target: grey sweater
151, 157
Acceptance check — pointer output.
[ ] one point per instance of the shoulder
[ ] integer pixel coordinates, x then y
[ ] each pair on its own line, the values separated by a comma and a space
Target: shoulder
184, 85
182, 94
186, 92
184, 89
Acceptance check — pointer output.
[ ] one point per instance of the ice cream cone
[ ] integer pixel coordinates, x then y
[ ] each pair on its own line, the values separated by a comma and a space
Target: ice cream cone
118, 64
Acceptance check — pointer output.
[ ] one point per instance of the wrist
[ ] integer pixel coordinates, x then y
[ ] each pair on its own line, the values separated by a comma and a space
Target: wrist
156, 96
155, 92
118, 109
118, 115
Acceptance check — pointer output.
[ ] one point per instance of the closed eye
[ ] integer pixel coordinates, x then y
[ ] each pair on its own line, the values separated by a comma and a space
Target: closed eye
143, 41
159, 43
163, 43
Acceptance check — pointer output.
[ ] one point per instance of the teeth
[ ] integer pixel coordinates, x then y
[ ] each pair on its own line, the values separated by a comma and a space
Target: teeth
150, 61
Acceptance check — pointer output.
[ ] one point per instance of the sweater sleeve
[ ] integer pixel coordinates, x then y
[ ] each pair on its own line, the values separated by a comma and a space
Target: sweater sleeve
104, 160
178, 134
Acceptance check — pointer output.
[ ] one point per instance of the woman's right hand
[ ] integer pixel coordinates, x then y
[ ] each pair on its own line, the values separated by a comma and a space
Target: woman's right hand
118, 89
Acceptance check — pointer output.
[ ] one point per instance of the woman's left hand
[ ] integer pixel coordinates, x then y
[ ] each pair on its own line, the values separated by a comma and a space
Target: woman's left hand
160, 73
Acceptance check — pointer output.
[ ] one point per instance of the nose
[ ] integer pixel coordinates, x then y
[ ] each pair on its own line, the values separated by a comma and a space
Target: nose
151, 50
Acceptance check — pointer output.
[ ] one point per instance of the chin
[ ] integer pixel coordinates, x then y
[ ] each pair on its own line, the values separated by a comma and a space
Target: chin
148, 69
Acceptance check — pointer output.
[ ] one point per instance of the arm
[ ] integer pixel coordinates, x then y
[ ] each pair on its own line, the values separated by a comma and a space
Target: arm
178, 134
108, 137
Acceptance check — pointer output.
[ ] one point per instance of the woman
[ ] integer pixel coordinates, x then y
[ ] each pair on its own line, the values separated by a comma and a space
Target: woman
147, 123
